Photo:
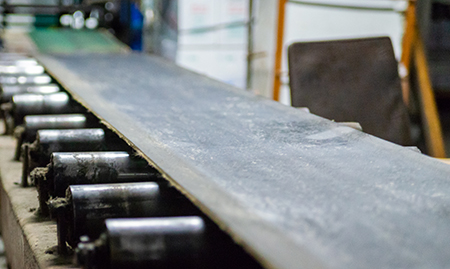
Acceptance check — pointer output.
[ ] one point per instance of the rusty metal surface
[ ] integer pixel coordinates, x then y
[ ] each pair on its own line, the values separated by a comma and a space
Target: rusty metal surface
294, 189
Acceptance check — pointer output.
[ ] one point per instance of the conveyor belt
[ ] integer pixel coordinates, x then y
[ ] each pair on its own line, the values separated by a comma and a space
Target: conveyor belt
294, 189
60, 40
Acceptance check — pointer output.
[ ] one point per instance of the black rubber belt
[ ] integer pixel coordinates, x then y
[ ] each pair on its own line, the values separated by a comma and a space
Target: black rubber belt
294, 189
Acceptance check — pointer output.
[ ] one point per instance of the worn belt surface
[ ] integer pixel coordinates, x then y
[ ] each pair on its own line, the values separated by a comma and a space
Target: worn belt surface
294, 189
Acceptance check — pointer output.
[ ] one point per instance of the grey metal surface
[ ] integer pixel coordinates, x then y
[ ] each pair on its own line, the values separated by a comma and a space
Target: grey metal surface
296, 190
99, 167
7, 92
92, 204
174, 242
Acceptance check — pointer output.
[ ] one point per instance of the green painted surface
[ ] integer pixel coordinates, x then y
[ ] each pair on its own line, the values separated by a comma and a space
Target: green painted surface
58, 40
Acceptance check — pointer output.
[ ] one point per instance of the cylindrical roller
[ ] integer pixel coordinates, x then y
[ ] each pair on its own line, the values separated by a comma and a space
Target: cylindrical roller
176, 242
85, 208
7, 92
35, 104
18, 61
26, 133
25, 79
155, 242
66, 121
50, 141
21, 69
97, 167
67, 169
69, 140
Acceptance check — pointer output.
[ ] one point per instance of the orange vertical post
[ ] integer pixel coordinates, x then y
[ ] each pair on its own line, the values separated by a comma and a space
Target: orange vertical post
409, 35
407, 45
430, 116
413, 48
279, 50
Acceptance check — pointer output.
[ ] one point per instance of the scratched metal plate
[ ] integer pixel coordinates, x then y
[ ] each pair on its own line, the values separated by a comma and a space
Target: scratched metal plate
294, 189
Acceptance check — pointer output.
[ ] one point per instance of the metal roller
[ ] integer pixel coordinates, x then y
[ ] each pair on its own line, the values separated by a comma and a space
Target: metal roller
8, 91
20, 66
67, 169
85, 208
66, 121
176, 242
26, 132
11, 69
18, 61
35, 104
25, 79
47, 142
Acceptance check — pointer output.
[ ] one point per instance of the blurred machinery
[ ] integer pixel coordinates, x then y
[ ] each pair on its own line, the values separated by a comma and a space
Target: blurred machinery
121, 18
